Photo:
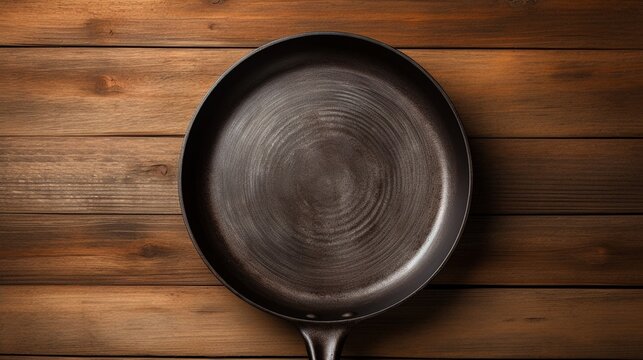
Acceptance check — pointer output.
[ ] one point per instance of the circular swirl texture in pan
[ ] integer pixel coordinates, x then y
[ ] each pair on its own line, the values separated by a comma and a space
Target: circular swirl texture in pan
324, 176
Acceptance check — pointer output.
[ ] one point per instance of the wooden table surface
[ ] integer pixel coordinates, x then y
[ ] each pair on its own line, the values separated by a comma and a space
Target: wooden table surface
95, 97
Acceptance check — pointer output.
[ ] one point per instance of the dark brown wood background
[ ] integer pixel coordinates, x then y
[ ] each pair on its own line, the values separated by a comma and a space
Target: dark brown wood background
95, 97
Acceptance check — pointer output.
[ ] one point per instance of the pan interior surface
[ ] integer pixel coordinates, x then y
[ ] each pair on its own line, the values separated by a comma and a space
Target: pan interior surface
325, 178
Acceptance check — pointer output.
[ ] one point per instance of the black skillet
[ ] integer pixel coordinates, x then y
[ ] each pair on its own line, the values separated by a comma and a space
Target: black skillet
325, 179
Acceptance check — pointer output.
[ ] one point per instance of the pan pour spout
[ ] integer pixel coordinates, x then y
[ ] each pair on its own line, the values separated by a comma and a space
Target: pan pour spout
324, 341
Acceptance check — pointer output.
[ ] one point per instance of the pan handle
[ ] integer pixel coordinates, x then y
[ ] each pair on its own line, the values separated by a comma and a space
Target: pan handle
324, 341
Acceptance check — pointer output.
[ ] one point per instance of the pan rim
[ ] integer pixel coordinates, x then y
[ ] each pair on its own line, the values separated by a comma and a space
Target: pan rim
188, 133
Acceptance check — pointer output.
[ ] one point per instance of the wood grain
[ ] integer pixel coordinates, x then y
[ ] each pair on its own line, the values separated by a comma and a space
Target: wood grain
133, 175
105, 91
99, 249
557, 176
144, 249
498, 93
461, 23
210, 321
94, 208
91, 175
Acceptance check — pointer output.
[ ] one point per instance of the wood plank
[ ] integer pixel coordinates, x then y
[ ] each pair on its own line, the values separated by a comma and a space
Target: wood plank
144, 249
90, 175
137, 175
557, 176
72, 91
548, 250
459, 23
102, 91
99, 249
210, 321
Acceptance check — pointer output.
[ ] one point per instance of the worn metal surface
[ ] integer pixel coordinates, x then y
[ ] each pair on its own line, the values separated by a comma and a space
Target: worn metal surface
326, 177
